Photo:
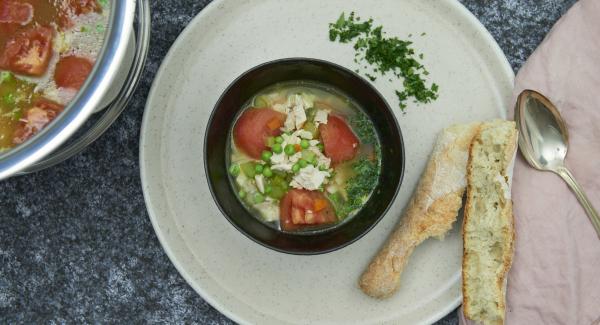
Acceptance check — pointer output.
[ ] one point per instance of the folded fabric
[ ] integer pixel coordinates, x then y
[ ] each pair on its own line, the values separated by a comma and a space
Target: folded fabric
555, 277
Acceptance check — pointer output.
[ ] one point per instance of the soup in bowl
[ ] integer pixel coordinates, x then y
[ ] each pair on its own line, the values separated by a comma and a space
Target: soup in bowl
303, 156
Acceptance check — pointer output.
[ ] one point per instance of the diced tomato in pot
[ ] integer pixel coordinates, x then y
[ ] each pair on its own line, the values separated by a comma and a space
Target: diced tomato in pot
71, 8
35, 119
28, 52
15, 12
340, 143
254, 127
72, 71
300, 208
80, 7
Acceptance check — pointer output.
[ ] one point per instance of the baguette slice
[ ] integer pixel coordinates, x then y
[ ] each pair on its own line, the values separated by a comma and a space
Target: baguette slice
431, 211
488, 225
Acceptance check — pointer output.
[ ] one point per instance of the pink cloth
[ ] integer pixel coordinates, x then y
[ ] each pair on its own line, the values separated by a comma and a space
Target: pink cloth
555, 277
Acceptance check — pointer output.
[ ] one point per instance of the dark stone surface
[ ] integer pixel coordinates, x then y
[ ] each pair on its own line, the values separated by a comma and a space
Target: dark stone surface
76, 244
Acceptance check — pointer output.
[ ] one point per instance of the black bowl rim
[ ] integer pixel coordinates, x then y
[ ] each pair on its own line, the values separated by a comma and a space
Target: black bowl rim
316, 61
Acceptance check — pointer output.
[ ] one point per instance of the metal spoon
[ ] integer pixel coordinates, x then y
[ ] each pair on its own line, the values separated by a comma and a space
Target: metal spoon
544, 143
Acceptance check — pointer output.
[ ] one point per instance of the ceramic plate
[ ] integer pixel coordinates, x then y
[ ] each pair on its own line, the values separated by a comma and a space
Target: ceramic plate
250, 283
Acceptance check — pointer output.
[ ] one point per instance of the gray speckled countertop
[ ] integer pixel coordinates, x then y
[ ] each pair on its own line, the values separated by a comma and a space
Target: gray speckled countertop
76, 244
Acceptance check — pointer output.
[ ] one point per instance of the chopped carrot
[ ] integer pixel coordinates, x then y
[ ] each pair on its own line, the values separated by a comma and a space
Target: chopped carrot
320, 204
274, 124
297, 147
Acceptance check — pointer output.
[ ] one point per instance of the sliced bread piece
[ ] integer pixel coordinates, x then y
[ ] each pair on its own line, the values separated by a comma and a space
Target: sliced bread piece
488, 226
431, 211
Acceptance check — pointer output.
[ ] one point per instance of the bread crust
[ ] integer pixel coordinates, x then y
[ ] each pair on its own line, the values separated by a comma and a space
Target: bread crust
382, 277
431, 211
509, 232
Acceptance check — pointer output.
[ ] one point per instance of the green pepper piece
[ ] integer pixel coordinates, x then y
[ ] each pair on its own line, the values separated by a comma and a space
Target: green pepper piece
248, 169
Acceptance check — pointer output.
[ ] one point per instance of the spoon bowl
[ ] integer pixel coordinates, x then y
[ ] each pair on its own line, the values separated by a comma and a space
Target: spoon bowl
544, 142
544, 137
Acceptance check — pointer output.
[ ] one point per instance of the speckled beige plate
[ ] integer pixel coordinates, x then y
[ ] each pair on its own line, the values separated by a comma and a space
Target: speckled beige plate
250, 283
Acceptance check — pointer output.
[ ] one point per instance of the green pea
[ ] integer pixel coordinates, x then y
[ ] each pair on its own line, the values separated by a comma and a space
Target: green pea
296, 168
277, 148
268, 189
266, 155
303, 163
322, 168
258, 169
242, 194
234, 170
289, 150
321, 147
304, 144
258, 198
267, 172
278, 139
270, 142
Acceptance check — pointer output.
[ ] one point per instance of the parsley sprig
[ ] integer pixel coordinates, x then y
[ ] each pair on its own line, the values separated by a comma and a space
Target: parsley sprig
358, 188
386, 55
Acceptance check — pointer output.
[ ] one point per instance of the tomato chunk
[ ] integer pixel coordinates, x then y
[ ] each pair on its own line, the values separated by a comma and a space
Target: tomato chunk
72, 71
28, 52
15, 12
35, 119
339, 141
80, 7
254, 127
300, 208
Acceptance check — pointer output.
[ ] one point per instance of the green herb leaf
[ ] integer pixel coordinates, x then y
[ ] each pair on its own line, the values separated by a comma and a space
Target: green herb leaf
363, 128
386, 55
358, 188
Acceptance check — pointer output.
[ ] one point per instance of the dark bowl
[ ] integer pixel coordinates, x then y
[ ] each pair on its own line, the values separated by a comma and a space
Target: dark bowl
353, 86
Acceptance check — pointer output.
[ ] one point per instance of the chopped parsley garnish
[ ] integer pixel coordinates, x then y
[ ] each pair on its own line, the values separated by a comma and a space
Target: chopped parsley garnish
363, 128
348, 29
371, 77
386, 55
358, 187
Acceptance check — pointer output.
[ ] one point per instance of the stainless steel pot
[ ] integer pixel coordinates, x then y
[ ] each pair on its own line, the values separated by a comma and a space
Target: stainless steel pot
107, 91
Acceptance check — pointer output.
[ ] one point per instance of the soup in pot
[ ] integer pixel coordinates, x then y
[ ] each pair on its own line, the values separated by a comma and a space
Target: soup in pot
47, 50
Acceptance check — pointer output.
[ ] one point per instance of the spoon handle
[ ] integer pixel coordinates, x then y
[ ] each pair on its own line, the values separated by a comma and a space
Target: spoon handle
585, 202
